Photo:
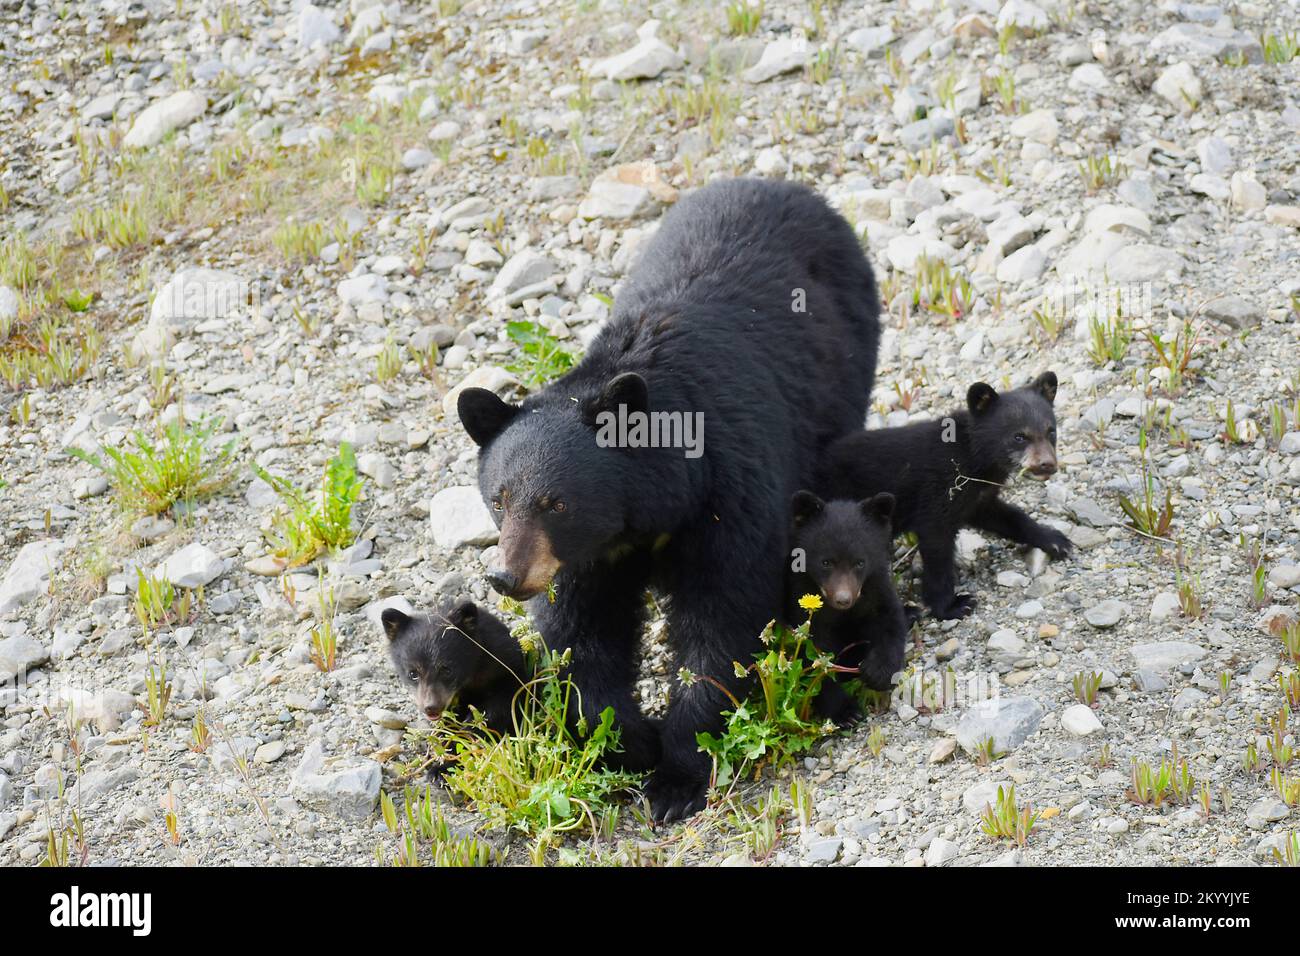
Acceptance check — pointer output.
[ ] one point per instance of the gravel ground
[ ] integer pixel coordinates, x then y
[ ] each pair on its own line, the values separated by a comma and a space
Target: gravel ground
515, 155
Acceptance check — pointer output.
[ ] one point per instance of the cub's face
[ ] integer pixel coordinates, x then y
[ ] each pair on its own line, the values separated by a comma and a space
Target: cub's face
1016, 430
843, 543
556, 495
435, 655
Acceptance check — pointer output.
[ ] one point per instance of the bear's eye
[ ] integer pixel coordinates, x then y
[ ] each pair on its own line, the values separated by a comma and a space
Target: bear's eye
826, 563
413, 675
859, 565
1021, 438
1051, 433
496, 504
558, 507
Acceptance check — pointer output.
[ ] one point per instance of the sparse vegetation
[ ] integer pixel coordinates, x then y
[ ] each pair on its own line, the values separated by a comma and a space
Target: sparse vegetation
1004, 820
308, 526
179, 466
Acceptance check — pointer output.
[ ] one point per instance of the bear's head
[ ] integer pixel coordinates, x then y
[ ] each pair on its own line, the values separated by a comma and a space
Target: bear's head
439, 656
556, 494
842, 543
1015, 431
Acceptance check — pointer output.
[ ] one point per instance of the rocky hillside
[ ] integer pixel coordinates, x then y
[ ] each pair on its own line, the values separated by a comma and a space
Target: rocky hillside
277, 227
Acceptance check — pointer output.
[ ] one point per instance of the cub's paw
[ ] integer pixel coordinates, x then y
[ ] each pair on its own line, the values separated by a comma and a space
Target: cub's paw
674, 795
913, 614
880, 667
1055, 544
837, 705
437, 771
960, 606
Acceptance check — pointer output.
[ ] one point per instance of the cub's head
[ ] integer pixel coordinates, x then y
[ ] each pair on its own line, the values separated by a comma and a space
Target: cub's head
438, 656
1016, 430
556, 494
843, 543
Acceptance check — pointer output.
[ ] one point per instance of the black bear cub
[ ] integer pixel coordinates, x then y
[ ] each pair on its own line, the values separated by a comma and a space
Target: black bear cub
843, 551
457, 657
946, 475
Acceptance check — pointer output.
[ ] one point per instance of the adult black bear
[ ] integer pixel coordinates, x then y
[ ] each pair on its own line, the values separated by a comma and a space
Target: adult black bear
946, 474
753, 315
845, 553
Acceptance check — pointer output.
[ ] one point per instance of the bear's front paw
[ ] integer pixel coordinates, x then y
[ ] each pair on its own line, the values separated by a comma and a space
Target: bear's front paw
878, 673
960, 606
437, 771
674, 796
1055, 544
913, 614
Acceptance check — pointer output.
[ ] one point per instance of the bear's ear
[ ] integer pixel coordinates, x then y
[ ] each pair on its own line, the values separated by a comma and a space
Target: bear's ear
464, 616
395, 622
805, 506
628, 389
881, 507
483, 414
1045, 385
980, 397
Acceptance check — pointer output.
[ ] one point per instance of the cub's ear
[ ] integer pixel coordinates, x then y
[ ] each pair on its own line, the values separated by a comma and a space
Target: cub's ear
395, 622
805, 506
980, 397
483, 414
464, 616
1045, 385
881, 507
628, 389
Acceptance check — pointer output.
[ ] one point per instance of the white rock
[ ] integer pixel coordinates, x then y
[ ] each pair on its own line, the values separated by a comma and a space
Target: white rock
416, 158
29, 574
156, 121
612, 199
1160, 656
1247, 193
458, 516
941, 851
1124, 220
316, 26
1080, 720
1009, 233
867, 40
197, 294
1023, 15
780, 56
364, 288
1024, 265
376, 466
1165, 606
444, 131
18, 655
1038, 126
1179, 85
650, 57
526, 267
1215, 156
194, 565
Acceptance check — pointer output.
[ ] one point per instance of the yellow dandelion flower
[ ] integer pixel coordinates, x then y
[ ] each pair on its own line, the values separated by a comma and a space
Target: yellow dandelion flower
810, 603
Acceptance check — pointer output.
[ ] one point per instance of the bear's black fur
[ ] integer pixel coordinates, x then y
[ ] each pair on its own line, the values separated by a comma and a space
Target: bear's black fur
458, 657
946, 475
754, 306
845, 551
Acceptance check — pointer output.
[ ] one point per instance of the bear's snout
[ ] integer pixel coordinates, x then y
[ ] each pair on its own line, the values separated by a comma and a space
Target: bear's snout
502, 581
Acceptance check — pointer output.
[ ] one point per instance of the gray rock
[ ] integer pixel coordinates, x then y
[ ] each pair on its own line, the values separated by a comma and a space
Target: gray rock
824, 851
526, 267
28, 575
345, 787
780, 56
920, 134
1106, 614
941, 852
1080, 720
1162, 656
1234, 310
171, 112
650, 57
1007, 720
194, 565
20, 654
